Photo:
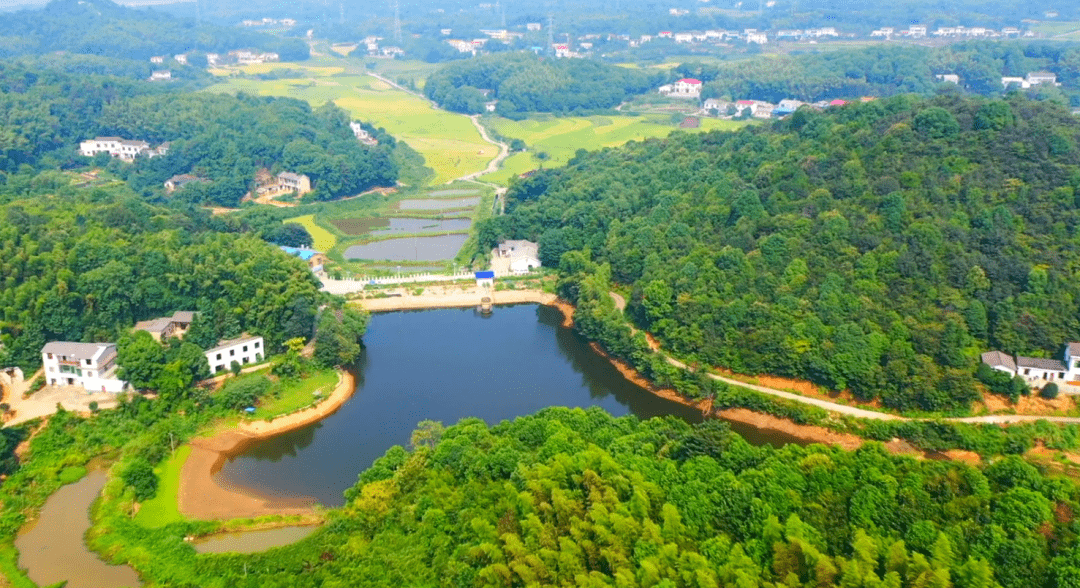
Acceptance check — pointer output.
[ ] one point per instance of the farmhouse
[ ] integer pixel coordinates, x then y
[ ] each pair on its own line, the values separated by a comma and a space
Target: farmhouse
315, 259
179, 181
124, 149
522, 256
298, 183
686, 88
89, 365
242, 351
171, 326
1036, 370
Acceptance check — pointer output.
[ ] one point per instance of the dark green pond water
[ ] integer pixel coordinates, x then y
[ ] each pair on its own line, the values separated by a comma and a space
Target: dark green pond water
446, 365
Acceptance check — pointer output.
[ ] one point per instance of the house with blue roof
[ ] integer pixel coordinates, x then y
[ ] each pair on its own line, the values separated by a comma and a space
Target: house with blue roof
315, 259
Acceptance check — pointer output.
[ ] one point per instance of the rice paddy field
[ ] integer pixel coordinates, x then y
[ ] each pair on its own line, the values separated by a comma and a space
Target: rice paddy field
450, 144
560, 138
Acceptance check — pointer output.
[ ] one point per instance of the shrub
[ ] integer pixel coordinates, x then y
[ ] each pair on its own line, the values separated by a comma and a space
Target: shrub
141, 477
1049, 391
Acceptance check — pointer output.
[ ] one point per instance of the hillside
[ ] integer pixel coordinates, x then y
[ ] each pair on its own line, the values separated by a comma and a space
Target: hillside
523, 82
105, 29
876, 247
579, 498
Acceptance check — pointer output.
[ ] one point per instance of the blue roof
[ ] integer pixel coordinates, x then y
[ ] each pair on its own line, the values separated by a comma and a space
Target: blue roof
487, 274
304, 254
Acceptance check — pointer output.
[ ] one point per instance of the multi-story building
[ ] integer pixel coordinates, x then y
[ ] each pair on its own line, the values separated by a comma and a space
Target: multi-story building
243, 351
120, 148
89, 365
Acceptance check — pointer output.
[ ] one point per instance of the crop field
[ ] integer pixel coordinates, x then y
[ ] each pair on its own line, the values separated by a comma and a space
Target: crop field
451, 146
560, 138
324, 239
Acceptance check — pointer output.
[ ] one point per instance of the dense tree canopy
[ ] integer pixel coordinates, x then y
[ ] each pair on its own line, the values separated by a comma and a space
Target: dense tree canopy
579, 498
876, 247
105, 29
523, 82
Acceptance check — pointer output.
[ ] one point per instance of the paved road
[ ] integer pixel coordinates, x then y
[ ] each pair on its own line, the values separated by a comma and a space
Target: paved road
620, 304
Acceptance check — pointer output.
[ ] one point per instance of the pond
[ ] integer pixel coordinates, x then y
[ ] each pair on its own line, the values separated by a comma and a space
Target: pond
52, 549
438, 204
388, 226
436, 248
446, 365
251, 541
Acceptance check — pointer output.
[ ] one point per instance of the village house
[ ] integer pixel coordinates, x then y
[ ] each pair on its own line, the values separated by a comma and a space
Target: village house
532, 26
1038, 371
179, 181
181, 59
786, 107
362, 135
746, 107
715, 105
244, 350
684, 88
1035, 78
759, 38
124, 149
91, 366
523, 256
314, 259
160, 75
298, 183
948, 78
157, 59
161, 329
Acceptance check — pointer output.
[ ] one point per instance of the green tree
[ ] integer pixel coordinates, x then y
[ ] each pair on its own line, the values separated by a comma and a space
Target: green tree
140, 359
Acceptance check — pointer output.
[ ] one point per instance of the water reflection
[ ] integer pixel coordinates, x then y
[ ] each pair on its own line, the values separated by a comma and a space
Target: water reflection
445, 365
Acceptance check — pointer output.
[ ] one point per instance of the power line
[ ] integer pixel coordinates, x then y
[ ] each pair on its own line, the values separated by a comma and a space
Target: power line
397, 21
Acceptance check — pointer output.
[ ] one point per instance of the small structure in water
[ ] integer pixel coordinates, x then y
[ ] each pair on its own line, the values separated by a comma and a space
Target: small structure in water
485, 305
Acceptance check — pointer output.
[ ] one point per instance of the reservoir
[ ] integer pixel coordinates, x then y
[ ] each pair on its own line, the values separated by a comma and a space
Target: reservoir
445, 365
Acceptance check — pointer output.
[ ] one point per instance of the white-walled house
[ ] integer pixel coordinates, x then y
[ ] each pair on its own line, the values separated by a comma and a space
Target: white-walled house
121, 148
1037, 370
89, 365
244, 350
684, 88
523, 256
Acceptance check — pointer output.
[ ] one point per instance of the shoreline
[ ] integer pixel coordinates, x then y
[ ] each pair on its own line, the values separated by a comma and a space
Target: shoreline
200, 496
455, 297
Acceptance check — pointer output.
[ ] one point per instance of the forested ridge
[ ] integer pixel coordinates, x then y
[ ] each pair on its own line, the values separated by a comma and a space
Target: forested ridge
85, 265
523, 82
579, 498
106, 29
222, 138
876, 247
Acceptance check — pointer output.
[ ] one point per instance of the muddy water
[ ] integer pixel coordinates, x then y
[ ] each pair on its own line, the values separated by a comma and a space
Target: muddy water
437, 248
252, 541
52, 548
391, 226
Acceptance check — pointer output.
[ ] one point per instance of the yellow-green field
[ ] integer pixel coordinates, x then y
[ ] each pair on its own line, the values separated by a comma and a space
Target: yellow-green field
451, 146
560, 138
162, 508
324, 240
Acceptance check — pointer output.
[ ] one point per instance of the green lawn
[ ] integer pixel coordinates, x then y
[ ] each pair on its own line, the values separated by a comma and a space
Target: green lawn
293, 396
560, 138
324, 239
162, 508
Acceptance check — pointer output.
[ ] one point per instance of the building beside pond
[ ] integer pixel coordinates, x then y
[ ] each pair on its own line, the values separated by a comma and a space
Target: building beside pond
315, 259
485, 280
516, 257
244, 350
91, 366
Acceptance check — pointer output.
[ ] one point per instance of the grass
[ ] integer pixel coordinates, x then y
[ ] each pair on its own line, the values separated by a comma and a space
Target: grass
449, 143
295, 395
163, 509
324, 240
560, 138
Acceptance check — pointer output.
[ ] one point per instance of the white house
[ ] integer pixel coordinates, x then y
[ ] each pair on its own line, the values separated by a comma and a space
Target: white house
117, 147
759, 38
181, 59
686, 88
243, 350
1035, 78
524, 256
1021, 82
532, 26
1037, 370
157, 59
298, 183
485, 280
949, 78
89, 365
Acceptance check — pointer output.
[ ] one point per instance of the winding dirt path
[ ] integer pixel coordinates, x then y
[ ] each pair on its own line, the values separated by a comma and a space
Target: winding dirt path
620, 304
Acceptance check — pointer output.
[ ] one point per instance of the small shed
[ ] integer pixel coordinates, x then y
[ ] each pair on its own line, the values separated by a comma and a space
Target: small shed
485, 280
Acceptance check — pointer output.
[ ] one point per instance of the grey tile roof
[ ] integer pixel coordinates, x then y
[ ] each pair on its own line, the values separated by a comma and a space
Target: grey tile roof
999, 359
1074, 349
183, 316
1039, 363
75, 350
